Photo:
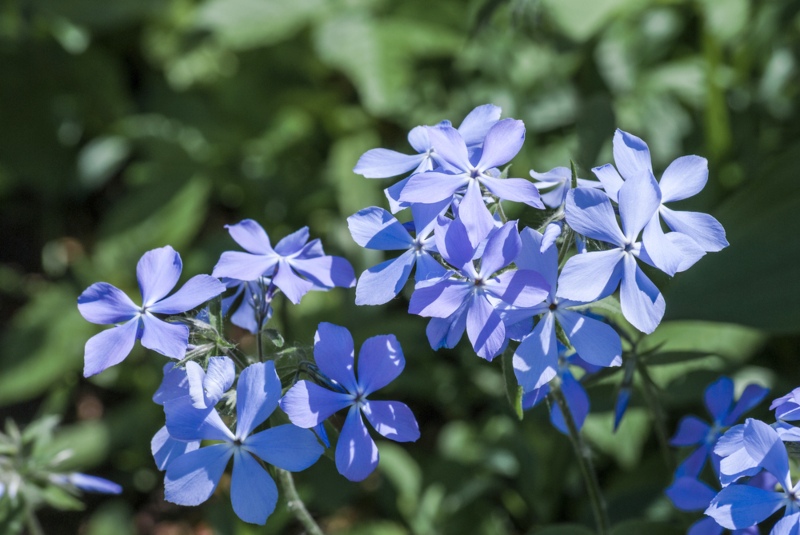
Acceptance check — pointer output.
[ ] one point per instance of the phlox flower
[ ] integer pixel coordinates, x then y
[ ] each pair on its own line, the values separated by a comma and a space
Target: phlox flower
249, 300
692, 431
553, 185
536, 359
295, 264
375, 228
683, 178
466, 173
593, 275
192, 477
157, 273
380, 361
469, 297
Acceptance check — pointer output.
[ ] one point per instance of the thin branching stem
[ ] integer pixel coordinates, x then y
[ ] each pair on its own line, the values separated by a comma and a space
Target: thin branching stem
295, 504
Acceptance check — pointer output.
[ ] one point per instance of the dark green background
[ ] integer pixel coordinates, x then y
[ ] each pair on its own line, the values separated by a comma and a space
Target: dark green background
133, 124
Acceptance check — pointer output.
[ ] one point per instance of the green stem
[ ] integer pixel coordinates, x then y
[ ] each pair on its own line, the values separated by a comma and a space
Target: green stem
651, 398
586, 466
295, 504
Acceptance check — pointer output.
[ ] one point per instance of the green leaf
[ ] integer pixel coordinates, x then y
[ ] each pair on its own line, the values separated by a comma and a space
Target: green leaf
88, 443
405, 475
626, 444
581, 19
61, 499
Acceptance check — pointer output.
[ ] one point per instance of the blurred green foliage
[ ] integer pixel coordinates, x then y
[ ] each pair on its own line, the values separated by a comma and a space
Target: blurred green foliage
132, 124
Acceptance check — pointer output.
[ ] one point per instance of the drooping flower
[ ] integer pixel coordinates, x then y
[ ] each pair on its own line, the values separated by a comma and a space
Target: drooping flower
86, 483
466, 173
593, 275
683, 178
380, 361
469, 298
251, 299
536, 359
165, 448
375, 228
192, 477
692, 431
157, 273
295, 264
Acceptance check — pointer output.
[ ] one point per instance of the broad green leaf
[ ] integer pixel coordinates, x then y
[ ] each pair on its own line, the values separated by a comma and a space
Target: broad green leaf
581, 19
405, 475
626, 444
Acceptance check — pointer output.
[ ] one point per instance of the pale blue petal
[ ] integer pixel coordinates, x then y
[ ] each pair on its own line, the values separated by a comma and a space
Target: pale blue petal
195, 292
293, 286
286, 446
766, 448
195, 375
219, 378
639, 199
169, 339
513, 189
356, 452
105, 304
590, 214
520, 288
591, 276
431, 187
185, 422
503, 141
642, 304
446, 332
308, 404
392, 419
326, 271
292, 243
662, 252
788, 525
551, 233
375, 228
440, 299
419, 139
609, 177
691, 430
192, 478
702, 228
453, 241
449, 146
384, 163
334, 353
89, 483
536, 359
477, 123
683, 178
531, 257
428, 268
501, 249
424, 215
475, 215
157, 273
166, 449
741, 506
393, 192
596, 342
485, 328
109, 347
381, 283
380, 361
251, 236
257, 393
174, 384
243, 266
630, 154
752, 396
690, 494
254, 494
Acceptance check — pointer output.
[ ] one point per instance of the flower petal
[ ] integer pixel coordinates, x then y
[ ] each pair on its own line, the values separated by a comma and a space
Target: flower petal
431, 187
356, 452
292, 243
683, 178
243, 266
449, 146
513, 189
446, 332
251, 236
438, 300
665, 255
169, 339
185, 422
501, 249
691, 430
475, 215
89, 483
532, 257
254, 494
477, 123
174, 384
631, 154
591, 276
590, 214
105, 304
192, 478
702, 228
380, 361
788, 525
293, 286
157, 273
485, 328
307, 404
752, 396
690, 494
502, 143
219, 378
257, 393
766, 448
577, 403
326, 271
596, 342
519, 288
385, 163
335, 354
718, 398
376, 228
642, 304
392, 419
536, 359
195, 292
639, 199
166, 449
109, 347
286, 446
453, 241
381, 283
419, 139
609, 177
741, 506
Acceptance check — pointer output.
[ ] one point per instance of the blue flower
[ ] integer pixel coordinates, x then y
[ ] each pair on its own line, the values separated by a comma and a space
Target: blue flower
157, 272
692, 431
536, 359
375, 228
295, 265
380, 361
465, 173
192, 477
740, 506
469, 297
683, 178
553, 185
254, 299
591, 276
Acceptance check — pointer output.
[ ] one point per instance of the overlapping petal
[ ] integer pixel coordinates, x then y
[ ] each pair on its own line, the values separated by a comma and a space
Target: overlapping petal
257, 393
356, 452
105, 304
392, 419
285, 446
109, 347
